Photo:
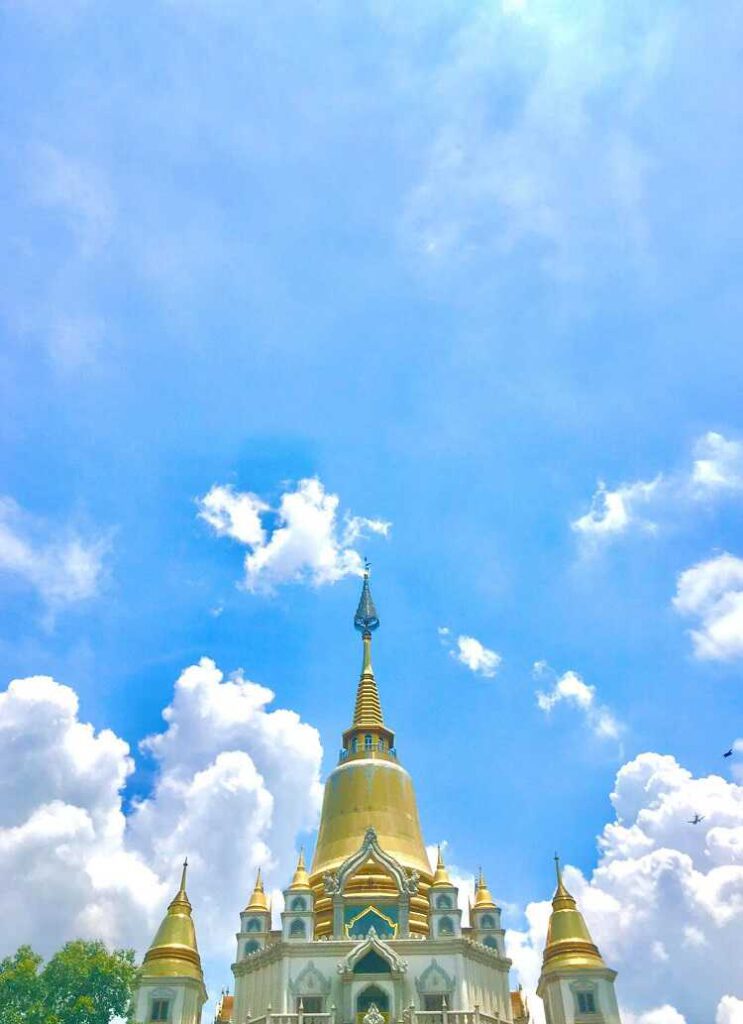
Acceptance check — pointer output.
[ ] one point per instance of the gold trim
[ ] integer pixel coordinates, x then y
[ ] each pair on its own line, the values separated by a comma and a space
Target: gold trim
352, 922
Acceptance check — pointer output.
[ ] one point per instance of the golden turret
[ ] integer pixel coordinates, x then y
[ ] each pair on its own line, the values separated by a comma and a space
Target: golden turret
483, 899
258, 899
301, 879
369, 789
569, 944
441, 875
174, 952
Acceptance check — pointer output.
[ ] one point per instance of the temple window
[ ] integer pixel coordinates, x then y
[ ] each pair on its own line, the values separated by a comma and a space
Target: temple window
253, 925
446, 926
354, 745
367, 742
586, 1002
309, 1004
298, 903
434, 1001
298, 930
252, 947
487, 921
444, 903
491, 942
160, 1010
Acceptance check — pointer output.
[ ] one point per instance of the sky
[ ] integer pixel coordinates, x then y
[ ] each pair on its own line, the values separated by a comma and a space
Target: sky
454, 287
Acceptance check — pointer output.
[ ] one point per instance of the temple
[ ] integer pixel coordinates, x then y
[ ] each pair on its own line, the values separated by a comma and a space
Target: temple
370, 932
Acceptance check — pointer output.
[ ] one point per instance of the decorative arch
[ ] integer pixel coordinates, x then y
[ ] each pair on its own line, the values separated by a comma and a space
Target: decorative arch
379, 946
444, 902
298, 929
434, 980
371, 850
372, 995
310, 982
252, 946
253, 925
298, 903
487, 921
446, 926
490, 941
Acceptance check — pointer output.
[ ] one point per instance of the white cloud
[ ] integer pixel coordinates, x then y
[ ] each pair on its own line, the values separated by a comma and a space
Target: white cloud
471, 653
235, 783
730, 1011
718, 463
304, 539
662, 1015
78, 192
572, 690
614, 512
658, 881
716, 469
63, 567
712, 592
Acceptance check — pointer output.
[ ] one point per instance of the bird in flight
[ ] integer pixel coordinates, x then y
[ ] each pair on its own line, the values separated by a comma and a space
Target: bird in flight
728, 753
696, 819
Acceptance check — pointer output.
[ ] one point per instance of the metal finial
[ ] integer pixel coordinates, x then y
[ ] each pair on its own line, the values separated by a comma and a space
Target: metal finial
366, 619
183, 876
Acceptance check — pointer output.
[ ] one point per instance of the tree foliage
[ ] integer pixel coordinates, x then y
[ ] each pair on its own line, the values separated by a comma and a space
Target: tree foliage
83, 983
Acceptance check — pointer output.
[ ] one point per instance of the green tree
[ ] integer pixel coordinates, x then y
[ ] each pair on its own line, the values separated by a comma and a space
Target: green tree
83, 983
21, 990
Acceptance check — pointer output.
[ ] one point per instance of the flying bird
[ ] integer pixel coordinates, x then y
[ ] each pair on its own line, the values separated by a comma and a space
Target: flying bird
696, 819
728, 753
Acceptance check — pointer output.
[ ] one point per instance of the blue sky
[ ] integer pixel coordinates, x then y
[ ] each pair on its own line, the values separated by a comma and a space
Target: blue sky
457, 262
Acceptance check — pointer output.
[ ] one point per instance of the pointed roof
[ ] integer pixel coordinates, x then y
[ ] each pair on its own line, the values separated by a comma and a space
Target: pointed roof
366, 618
301, 879
174, 952
441, 876
569, 945
483, 898
258, 899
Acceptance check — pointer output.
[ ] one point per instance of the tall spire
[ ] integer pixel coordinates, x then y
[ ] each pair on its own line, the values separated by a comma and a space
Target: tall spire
301, 879
174, 951
569, 944
483, 898
441, 877
368, 709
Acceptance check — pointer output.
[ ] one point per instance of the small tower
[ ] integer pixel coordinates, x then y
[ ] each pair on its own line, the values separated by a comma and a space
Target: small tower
298, 919
255, 922
445, 915
485, 922
576, 986
170, 982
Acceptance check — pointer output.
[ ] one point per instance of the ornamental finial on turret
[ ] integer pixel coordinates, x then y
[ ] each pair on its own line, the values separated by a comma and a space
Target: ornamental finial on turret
366, 619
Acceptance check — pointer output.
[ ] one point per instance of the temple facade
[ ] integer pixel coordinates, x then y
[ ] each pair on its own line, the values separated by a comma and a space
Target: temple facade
370, 932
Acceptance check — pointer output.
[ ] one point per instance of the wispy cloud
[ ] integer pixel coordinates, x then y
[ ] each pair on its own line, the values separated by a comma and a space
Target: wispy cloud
62, 566
471, 653
303, 539
716, 470
572, 691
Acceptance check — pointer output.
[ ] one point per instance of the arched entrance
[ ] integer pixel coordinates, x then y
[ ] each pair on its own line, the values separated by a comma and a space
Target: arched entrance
372, 994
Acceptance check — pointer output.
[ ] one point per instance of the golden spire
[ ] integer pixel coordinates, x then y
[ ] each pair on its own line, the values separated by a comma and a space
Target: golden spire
569, 944
258, 899
368, 711
441, 877
301, 879
174, 952
483, 899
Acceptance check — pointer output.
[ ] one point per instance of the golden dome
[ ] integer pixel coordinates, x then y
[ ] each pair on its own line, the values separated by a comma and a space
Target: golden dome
174, 952
369, 789
301, 879
569, 944
483, 899
441, 876
258, 899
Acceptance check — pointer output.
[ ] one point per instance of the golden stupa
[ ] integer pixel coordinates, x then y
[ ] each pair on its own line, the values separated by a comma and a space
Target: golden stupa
174, 953
569, 944
369, 788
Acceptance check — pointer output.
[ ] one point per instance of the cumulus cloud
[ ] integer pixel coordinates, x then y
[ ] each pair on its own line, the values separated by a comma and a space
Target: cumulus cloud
60, 565
716, 469
730, 1011
570, 689
712, 593
471, 653
303, 539
663, 894
231, 775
